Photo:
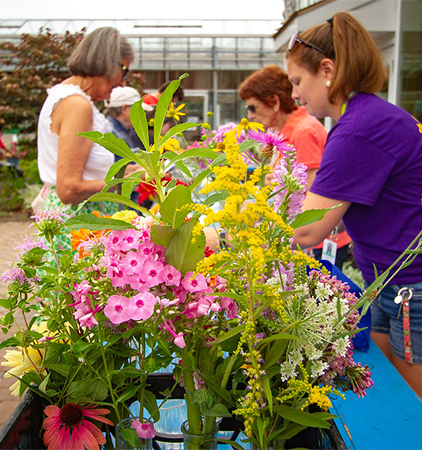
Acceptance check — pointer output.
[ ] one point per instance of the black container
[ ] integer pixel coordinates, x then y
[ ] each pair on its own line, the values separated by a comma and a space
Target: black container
23, 429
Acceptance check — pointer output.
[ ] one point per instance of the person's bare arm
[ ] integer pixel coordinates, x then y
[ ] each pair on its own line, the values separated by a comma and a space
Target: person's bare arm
313, 234
71, 116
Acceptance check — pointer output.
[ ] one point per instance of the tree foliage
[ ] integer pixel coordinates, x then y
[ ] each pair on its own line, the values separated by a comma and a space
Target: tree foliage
35, 63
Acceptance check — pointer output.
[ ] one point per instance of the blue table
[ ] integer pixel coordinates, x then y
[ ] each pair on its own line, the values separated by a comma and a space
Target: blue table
389, 417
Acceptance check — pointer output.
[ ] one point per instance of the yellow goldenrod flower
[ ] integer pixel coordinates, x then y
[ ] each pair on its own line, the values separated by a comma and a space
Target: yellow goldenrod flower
175, 112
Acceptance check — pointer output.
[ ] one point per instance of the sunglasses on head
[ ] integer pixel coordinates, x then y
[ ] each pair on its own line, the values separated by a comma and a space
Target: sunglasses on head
251, 108
295, 39
125, 71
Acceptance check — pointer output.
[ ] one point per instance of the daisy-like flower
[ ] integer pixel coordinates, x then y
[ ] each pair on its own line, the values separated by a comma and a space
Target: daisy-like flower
175, 112
20, 363
69, 428
244, 124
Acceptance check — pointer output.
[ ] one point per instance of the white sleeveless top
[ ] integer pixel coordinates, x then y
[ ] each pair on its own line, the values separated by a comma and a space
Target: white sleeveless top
99, 160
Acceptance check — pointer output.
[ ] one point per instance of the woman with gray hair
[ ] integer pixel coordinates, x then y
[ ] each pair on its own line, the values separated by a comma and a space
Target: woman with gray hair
72, 167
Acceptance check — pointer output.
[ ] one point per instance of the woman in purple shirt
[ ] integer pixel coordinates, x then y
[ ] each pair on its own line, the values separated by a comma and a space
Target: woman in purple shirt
372, 168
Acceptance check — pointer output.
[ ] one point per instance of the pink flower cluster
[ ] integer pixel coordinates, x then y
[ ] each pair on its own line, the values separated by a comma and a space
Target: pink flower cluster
144, 282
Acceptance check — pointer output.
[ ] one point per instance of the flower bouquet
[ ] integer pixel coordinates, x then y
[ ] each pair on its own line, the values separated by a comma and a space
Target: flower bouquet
254, 329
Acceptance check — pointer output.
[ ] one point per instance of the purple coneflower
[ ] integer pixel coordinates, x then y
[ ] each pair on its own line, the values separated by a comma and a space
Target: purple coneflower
69, 428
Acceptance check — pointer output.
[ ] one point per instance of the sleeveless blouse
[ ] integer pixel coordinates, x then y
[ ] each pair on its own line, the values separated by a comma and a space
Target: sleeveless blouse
99, 160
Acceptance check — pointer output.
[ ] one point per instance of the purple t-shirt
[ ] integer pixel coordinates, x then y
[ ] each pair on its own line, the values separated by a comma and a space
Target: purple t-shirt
373, 159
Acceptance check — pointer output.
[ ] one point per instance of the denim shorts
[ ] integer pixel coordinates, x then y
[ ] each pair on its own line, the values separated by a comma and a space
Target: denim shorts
387, 318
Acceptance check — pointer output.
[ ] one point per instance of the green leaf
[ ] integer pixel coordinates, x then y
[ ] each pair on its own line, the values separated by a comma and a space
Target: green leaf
11, 342
115, 198
162, 235
310, 216
182, 253
150, 403
301, 417
140, 123
176, 130
170, 208
162, 106
267, 389
81, 346
92, 222
217, 410
229, 334
43, 386
62, 369
129, 393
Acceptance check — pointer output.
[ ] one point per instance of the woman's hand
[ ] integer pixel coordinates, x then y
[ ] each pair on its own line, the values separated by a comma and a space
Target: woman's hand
311, 235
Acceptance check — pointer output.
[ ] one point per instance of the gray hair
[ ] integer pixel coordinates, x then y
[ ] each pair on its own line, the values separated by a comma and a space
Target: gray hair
100, 54
113, 111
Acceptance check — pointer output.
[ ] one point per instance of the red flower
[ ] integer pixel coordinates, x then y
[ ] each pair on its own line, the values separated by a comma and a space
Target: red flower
67, 428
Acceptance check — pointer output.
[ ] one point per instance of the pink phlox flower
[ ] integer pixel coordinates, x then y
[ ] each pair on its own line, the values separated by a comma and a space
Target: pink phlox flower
144, 430
88, 320
200, 307
230, 306
117, 309
171, 276
114, 242
178, 338
194, 284
166, 302
180, 293
132, 262
160, 252
146, 248
141, 306
152, 273
138, 284
119, 277
198, 382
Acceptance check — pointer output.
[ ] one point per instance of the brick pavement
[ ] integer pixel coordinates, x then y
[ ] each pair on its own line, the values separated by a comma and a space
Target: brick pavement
11, 234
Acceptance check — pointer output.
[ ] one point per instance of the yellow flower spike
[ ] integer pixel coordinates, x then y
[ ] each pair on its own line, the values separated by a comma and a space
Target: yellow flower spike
175, 112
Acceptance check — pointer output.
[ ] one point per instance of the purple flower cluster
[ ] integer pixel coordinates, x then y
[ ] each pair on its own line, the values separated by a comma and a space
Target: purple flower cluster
291, 179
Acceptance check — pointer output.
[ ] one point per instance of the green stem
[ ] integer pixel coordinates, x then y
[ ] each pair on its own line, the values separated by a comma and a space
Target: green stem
194, 414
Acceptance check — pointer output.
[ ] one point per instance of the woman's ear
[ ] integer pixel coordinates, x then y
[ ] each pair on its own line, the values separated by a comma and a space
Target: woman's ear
276, 105
327, 66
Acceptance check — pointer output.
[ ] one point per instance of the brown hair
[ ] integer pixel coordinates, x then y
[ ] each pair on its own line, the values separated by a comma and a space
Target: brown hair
100, 54
267, 82
359, 66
